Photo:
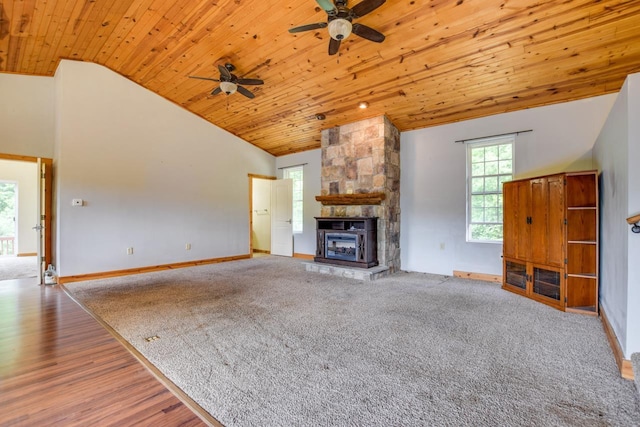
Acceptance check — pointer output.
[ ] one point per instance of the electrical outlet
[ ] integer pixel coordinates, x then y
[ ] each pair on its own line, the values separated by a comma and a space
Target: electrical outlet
77, 202
188, 246
129, 251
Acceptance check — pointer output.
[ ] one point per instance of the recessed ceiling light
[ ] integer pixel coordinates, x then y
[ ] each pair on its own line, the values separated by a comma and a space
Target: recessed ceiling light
363, 105
320, 116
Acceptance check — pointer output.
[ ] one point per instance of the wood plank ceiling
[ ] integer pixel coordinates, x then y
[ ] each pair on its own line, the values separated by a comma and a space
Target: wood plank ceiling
442, 60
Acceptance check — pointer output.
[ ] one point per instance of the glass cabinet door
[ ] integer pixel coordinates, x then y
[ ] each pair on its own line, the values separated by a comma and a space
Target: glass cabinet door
516, 274
547, 282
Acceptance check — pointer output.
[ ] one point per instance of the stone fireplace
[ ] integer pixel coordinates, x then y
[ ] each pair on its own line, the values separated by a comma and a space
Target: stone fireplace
361, 178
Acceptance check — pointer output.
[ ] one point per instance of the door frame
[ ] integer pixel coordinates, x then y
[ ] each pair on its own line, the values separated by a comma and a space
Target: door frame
47, 201
251, 177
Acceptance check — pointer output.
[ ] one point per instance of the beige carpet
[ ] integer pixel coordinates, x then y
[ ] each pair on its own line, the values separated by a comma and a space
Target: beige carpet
263, 342
14, 267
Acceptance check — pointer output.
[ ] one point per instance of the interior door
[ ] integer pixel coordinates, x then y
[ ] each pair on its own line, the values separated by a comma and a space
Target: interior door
281, 217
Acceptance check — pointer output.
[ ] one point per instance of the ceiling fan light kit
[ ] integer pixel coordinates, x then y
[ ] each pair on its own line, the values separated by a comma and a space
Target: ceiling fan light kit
339, 29
228, 87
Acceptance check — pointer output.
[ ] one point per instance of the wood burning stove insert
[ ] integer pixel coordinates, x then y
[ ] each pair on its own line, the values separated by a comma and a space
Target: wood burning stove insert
348, 241
342, 246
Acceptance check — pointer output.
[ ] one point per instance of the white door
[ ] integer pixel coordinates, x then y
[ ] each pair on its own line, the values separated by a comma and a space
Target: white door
281, 216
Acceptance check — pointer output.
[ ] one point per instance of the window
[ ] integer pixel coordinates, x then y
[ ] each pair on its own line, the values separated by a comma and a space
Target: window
489, 164
296, 174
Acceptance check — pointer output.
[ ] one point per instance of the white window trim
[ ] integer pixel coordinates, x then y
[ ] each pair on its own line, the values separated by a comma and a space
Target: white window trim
480, 142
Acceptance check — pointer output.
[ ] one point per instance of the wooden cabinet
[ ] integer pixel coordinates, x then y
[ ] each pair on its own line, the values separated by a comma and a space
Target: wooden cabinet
551, 240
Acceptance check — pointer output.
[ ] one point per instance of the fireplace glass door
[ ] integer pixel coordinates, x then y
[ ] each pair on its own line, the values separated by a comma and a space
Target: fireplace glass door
341, 246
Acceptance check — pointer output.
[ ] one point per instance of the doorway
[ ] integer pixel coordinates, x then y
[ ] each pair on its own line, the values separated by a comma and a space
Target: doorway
260, 214
25, 219
8, 205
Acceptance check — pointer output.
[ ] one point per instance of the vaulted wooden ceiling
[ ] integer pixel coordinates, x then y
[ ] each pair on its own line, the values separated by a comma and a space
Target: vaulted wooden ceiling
442, 60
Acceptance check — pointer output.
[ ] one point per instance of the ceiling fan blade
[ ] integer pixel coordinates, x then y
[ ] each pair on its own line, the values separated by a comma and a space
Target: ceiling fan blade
216, 91
224, 73
365, 7
367, 33
246, 92
334, 45
308, 27
249, 82
204, 78
327, 5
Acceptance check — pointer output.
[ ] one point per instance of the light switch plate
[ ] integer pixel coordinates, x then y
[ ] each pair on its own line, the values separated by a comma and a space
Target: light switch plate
76, 202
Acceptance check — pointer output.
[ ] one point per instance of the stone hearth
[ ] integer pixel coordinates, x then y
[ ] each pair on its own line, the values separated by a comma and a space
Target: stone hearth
363, 158
364, 274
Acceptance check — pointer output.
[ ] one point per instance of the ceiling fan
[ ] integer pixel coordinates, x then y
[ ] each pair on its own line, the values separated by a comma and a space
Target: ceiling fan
230, 83
340, 19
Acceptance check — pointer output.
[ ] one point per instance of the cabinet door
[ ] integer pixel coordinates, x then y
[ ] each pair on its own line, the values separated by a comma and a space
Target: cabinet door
556, 221
509, 220
516, 275
515, 220
547, 220
547, 283
523, 231
539, 220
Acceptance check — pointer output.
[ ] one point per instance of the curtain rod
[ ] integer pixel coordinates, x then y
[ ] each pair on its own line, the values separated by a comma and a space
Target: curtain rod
494, 136
293, 166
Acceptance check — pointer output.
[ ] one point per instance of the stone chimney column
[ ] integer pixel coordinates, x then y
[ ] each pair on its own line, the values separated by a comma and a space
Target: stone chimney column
364, 157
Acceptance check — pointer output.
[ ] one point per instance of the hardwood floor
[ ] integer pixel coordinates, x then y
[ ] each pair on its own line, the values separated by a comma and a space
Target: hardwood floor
59, 366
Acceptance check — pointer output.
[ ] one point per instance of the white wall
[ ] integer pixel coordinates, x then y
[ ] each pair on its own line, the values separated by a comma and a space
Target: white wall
615, 154
433, 177
633, 296
261, 214
26, 115
305, 242
152, 176
25, 175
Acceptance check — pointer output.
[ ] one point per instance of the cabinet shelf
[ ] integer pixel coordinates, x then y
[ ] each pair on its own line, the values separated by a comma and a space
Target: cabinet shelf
548, 285
589, 309
548, 290
583, 275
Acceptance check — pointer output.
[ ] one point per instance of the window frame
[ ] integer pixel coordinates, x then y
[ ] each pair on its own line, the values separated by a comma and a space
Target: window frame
286, 174
486, 142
